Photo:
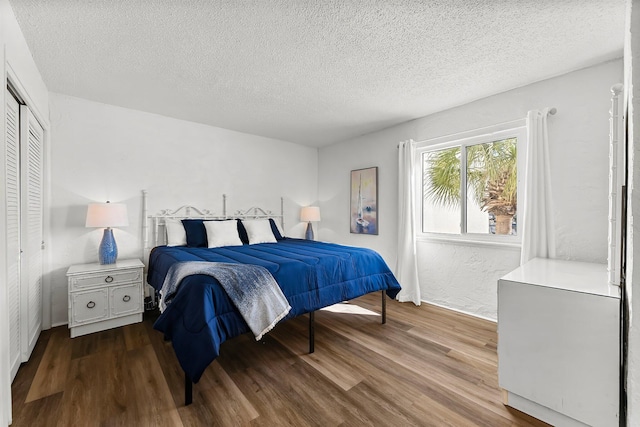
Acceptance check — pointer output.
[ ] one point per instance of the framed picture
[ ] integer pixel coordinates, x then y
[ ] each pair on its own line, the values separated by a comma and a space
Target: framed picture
364, 201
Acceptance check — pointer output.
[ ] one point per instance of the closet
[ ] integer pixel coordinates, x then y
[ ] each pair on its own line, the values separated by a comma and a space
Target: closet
24, 224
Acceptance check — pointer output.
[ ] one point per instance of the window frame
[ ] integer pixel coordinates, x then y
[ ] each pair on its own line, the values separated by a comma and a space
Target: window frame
517, 129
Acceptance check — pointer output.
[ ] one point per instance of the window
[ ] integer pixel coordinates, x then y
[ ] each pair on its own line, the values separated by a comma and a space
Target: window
470, 185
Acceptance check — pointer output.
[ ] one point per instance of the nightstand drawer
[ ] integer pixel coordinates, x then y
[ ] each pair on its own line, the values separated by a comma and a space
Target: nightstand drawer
89, 306
126, 299
105, 278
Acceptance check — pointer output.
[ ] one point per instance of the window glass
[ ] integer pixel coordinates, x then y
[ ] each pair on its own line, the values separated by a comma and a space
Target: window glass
470, 186
441, 184
492, 187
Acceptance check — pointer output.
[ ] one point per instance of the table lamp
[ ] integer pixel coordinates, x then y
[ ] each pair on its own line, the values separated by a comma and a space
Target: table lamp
107, 215
309, 214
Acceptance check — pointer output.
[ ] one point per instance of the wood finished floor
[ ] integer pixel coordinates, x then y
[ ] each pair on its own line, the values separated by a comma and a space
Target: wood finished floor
426, 367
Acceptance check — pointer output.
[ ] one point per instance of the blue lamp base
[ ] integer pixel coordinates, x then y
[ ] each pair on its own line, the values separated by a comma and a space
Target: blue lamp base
108, 251
309, 233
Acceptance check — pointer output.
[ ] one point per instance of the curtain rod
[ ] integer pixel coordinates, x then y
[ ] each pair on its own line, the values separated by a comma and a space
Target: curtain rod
553, 111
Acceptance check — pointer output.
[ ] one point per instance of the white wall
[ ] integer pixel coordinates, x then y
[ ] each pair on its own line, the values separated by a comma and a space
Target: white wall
464, 277
16, 61
632, 92
102, 152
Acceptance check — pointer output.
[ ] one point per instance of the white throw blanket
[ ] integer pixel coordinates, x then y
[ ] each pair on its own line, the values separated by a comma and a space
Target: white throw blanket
251, 288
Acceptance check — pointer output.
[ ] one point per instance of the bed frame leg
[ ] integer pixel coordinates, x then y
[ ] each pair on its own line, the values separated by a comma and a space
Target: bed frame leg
384, 309
188, 390
311, 331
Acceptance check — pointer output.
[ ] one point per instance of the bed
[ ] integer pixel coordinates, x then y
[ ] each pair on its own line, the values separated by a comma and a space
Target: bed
310, 274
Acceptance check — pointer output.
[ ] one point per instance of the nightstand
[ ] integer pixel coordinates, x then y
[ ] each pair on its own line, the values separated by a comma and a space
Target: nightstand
105, 296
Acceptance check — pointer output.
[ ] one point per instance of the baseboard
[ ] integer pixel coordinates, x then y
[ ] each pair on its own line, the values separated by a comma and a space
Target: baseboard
55, 325
457, 310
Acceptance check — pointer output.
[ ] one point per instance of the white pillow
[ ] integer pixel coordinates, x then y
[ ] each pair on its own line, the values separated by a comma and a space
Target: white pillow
176, 235
222, 233
259, 231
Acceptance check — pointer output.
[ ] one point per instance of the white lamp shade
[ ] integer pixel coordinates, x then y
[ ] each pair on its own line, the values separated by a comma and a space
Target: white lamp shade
310, 213
103, 215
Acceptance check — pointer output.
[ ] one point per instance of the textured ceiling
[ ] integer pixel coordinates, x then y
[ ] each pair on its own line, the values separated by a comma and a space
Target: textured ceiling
309, 71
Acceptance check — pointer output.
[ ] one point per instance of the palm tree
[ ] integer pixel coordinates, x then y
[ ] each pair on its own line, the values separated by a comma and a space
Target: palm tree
491, 179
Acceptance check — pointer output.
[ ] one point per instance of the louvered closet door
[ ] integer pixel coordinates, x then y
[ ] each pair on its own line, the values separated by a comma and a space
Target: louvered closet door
31, 162
12, 192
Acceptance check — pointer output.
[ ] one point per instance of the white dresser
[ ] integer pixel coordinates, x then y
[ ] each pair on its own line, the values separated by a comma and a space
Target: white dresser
104, 296
559, 343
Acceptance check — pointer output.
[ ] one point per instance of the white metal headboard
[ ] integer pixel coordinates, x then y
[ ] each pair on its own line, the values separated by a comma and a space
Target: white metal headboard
153, 227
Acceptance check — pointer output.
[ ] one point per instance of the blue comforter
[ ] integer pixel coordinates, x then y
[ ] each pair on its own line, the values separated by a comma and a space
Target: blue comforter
311, 275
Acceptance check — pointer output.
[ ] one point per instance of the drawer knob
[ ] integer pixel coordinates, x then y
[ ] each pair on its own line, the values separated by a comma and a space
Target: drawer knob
126, 298
91, 304
108, 279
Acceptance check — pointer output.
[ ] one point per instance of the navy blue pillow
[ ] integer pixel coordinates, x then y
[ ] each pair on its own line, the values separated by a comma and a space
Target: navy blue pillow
242, 232
274, 229
196, 233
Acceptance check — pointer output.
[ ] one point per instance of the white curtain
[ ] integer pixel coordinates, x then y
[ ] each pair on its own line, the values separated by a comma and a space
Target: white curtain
536, 220
407, 267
